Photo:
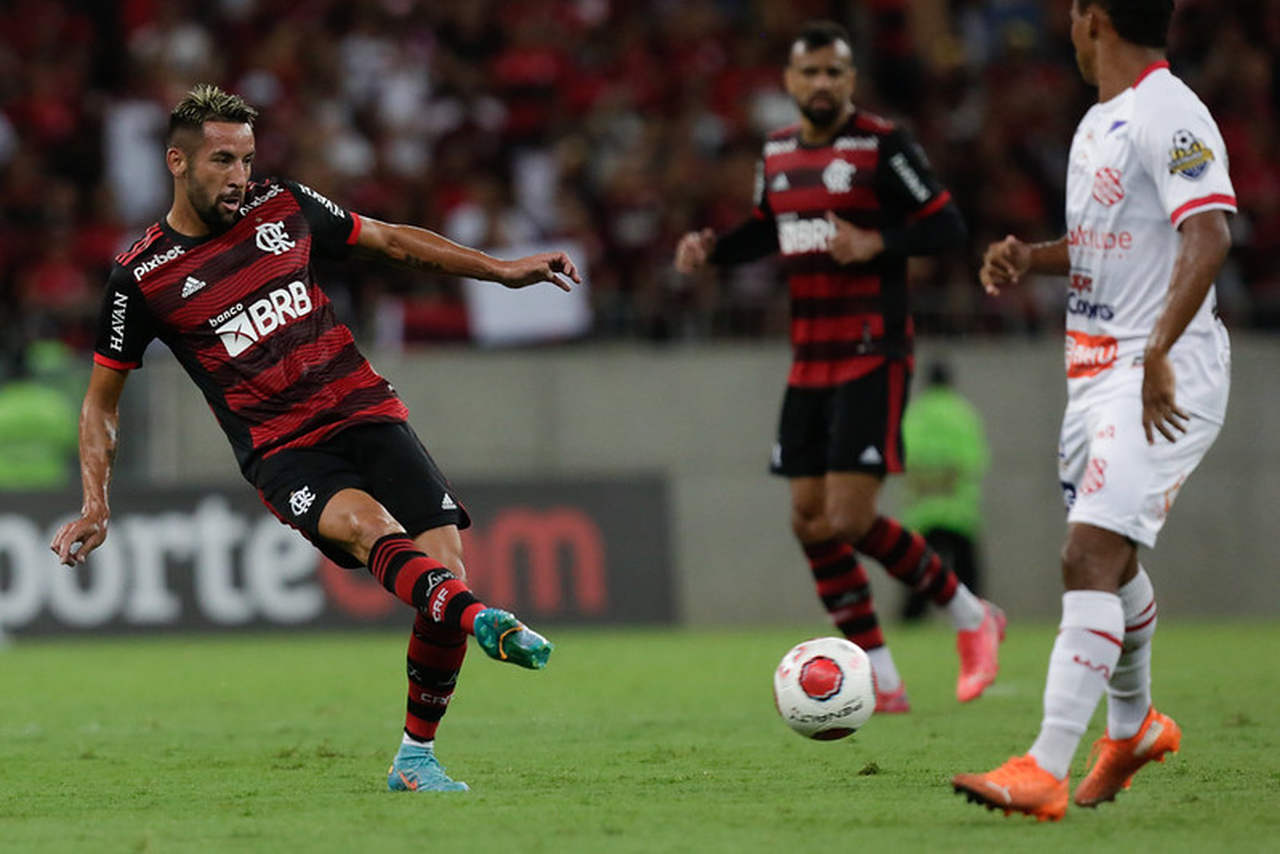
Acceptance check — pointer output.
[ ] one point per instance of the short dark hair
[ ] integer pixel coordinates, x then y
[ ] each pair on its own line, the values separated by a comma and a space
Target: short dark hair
1142, 22
820, 33
207, 103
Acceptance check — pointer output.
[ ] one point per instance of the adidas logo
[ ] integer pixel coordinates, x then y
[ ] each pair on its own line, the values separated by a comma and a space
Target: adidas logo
190, 286
871, 457
780, 183
448, 503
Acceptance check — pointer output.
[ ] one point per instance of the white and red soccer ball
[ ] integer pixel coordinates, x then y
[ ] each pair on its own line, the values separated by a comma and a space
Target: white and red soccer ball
824, 688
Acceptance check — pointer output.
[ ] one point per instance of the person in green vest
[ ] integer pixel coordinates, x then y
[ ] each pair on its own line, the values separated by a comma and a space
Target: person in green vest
947, 457
38, 421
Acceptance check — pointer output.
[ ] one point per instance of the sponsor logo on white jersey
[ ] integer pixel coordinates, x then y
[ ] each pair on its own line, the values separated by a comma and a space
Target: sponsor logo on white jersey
156, 261
240, 329
802, 236
300, 500
1105, 241
191, 285
273, 238
838, 176
1089, 355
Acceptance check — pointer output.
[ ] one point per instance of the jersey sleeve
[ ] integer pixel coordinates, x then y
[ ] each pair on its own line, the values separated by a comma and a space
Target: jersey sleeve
125, 326
1182, 149
905, 181
334, 229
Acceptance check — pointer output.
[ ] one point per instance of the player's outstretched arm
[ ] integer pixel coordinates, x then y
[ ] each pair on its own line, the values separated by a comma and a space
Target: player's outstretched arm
99, 423
420, 249
1206, 239
1007, 261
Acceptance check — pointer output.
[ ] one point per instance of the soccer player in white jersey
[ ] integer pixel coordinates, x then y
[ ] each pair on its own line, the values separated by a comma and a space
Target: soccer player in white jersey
1147, 378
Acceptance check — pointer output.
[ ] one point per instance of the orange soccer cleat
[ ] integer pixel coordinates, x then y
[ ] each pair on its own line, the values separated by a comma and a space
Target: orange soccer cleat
1115, 761
979, 649
1019, 785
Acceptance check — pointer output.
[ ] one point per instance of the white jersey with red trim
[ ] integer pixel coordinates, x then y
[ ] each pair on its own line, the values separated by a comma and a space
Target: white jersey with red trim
1141, 163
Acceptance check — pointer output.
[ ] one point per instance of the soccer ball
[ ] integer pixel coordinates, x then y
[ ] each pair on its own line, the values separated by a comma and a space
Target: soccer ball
824, 688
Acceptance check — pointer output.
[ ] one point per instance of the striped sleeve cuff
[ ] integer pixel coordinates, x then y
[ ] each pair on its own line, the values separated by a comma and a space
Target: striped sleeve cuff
108, 362
1217, 201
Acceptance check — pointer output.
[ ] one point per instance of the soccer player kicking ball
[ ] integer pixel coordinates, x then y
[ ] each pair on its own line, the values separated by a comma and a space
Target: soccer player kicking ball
846, 197
1147, 378
225, 281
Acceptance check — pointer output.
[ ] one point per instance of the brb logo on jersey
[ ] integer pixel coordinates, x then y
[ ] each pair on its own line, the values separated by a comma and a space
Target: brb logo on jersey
802, 236
273, 238
1089, 355
240, 329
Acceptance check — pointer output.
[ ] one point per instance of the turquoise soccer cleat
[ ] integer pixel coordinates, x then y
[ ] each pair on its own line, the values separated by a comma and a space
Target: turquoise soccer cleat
505, 638
416, 769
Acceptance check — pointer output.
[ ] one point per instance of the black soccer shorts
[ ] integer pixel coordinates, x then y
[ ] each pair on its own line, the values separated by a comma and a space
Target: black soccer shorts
386, 460
853, 427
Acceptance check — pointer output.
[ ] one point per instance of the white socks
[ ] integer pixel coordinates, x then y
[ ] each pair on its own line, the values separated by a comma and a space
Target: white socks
1129, 692
1082, 662
413, 742
887, 678
966, 610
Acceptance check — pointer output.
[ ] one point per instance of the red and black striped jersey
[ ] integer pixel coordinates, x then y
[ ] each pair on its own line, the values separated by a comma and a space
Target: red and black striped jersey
845, 319
245, 317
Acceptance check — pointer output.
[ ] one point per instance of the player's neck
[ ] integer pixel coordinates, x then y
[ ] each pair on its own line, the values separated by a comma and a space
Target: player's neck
1120, 64
811, 134
183, 219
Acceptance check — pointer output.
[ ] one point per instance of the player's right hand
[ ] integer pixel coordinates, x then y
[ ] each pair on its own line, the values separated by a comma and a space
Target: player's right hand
693, 250
88, 531
1004, 263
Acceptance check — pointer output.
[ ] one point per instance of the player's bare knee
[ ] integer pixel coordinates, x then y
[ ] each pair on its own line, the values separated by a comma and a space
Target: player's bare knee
851, 524
807, 523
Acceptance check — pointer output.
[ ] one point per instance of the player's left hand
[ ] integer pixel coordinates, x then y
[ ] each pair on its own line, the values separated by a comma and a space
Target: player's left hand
849, 244
554, 267
1160, 411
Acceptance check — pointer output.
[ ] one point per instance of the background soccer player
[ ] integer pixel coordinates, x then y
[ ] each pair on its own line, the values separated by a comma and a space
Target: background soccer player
1147, 379
846, 197
225, 280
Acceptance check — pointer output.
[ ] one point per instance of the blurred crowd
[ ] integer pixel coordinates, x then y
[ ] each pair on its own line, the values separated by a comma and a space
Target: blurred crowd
608, 125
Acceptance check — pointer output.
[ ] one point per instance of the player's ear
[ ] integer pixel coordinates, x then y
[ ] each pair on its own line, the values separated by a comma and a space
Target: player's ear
176, 159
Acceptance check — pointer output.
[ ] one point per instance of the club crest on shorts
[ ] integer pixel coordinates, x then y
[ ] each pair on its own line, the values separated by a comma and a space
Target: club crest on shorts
300, 500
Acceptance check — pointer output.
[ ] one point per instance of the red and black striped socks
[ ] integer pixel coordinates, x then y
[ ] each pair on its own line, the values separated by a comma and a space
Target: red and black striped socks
434, 659
845, 591
417, 580
907, 557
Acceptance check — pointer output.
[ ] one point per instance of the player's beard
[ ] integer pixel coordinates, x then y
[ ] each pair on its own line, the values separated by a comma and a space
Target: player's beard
210, 210
821, 117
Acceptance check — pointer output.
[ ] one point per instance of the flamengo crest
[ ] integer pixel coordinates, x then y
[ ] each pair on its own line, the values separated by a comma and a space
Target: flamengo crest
273, 238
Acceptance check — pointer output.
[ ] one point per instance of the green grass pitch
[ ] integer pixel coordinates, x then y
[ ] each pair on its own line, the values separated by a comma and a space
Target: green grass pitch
631, 741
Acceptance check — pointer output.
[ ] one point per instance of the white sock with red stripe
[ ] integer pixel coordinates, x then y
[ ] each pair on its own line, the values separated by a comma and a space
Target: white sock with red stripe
1129, 691
1083, 659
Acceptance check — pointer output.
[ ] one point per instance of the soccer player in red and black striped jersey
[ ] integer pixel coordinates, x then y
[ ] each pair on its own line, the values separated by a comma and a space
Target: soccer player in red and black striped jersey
846, 197
225, 281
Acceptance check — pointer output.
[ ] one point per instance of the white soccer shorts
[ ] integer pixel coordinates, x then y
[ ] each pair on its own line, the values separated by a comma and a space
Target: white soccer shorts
1113, 479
